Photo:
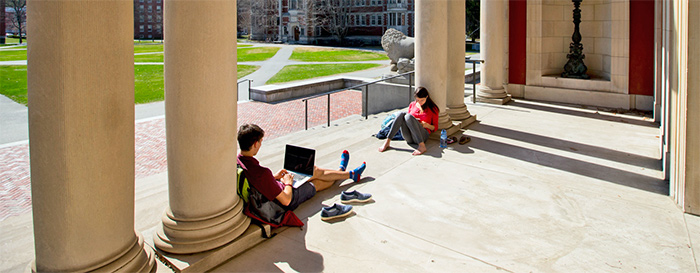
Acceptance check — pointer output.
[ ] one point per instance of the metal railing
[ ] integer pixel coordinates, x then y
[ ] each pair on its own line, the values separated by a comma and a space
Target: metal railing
365, 86
249, 82
473, 76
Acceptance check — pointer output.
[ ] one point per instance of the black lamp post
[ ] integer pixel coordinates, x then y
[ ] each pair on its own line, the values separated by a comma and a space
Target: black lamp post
575, 68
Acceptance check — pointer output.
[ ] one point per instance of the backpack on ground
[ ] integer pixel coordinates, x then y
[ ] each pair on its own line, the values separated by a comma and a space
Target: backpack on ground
242, 185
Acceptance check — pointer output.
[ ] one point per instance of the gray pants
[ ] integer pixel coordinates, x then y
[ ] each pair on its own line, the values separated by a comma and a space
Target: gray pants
411, 129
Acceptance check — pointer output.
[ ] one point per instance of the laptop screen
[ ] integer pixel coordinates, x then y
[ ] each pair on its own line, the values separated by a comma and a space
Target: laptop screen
299, 159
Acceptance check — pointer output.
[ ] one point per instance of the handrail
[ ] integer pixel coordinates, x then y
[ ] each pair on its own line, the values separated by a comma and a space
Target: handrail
239, 82
364, 106
473, 76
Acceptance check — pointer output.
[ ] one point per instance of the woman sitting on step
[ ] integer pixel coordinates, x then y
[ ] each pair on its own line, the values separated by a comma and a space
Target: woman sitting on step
416, 124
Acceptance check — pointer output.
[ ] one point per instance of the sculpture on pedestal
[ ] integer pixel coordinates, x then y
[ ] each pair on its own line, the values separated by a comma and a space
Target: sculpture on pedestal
400, 49
575, 68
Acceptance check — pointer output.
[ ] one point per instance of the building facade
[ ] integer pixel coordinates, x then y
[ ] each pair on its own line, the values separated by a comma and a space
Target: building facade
296, 21
148, 19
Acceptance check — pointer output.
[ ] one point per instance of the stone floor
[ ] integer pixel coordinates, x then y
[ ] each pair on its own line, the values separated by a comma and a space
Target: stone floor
540, 188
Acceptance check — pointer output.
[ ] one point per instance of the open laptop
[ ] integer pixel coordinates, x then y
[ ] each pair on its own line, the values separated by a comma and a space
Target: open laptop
300, 162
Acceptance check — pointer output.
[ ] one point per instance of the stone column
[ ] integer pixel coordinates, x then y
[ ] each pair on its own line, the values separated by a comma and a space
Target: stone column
493, 52
456, 108
81, 132
431, 54
200, 116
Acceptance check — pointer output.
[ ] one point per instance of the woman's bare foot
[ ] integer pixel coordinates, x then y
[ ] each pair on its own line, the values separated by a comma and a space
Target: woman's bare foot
384, 147
421, 149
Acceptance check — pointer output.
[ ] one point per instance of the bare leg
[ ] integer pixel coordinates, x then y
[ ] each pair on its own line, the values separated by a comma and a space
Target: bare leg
322, 184
385, 146
421, 149
329, 175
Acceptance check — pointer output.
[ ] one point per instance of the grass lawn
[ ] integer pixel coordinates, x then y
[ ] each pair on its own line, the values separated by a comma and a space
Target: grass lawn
149, 58
256, 54
307, 71
13, 55
245, 70
13, 41
13, 82
148, 85
239, 45
312, 54
143, 48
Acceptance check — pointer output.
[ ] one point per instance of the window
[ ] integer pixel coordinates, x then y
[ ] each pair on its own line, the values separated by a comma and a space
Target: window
159, 29
150, 9
158, 9
362, 20
150, 36
141, 29
150, 18
159, 18
373, 20
158, 1
150, 1
140, 1
293, 4
141, 8
150, 28
141, 18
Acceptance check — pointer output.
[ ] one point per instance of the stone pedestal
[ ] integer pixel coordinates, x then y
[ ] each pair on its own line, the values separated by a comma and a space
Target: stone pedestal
200, 110
431, 53
81, 132
456, 108
493, 52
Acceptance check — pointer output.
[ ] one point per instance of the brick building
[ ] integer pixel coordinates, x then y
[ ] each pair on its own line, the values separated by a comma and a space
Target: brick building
148, 19
367, 20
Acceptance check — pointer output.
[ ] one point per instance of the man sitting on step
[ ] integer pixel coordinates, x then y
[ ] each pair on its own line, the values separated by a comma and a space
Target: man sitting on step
276, 191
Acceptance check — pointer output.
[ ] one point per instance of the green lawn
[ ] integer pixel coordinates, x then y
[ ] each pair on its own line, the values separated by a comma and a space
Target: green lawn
240, 45
11, 41
13, 55
148, 85
13, 82
245, 70
307, 71
149, 58
256, 54
143, 48
312, 54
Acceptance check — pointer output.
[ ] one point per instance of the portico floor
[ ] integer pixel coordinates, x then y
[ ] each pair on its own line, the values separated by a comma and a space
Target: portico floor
540, 188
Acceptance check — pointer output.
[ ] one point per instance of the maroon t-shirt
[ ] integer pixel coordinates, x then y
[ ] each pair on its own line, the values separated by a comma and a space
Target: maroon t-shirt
260, 177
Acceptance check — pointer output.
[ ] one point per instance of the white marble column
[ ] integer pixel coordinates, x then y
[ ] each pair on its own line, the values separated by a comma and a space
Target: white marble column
456, 108
200, 115
81, 136
493, 52
431, 54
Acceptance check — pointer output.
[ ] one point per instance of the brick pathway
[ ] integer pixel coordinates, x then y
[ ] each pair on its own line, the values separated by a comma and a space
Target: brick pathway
150, 150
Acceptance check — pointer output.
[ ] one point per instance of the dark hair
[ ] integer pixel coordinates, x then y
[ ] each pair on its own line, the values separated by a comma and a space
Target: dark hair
421, 92
248, 134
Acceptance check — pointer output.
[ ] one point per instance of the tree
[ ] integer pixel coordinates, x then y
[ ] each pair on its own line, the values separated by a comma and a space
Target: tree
473, 18
264, 20
244, 16
331, 15
20, 17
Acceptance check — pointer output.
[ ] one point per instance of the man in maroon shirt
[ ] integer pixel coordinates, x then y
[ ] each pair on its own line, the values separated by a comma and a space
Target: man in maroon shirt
278, 187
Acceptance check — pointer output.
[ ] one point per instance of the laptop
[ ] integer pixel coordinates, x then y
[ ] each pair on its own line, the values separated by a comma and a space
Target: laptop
299, 161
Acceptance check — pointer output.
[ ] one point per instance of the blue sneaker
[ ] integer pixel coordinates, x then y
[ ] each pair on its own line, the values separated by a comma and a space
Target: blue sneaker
336, 211
354, 196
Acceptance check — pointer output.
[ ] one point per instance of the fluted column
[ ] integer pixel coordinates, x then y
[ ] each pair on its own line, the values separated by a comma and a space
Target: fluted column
200, 116
456, 108
81, 137
492, 27
431, 53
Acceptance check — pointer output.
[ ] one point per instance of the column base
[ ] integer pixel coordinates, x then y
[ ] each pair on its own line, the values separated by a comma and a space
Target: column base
500, 101
461, 114
205, 261
182, 236
138, 258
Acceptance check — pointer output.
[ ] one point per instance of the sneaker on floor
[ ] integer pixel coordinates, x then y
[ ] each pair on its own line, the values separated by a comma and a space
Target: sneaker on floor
354, 196
335, 211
